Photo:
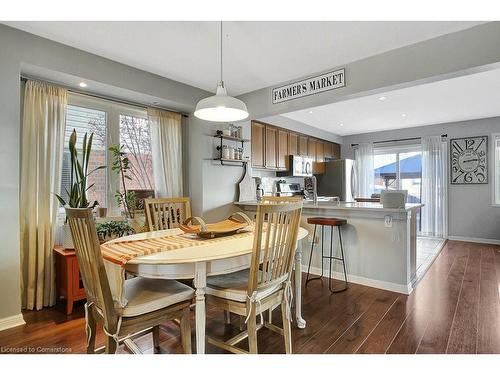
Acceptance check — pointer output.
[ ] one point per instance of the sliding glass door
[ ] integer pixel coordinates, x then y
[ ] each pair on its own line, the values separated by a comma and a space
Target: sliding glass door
400, 168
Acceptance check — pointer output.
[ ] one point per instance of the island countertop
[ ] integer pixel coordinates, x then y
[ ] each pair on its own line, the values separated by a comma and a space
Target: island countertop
352, 206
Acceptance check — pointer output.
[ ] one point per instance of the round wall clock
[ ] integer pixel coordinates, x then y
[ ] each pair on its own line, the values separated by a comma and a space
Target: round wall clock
469, 160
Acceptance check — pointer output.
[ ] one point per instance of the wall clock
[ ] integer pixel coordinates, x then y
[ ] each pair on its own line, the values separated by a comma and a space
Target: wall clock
469, 160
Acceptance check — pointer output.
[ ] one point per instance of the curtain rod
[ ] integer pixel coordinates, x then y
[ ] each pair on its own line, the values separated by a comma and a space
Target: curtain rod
398, 140
99, 96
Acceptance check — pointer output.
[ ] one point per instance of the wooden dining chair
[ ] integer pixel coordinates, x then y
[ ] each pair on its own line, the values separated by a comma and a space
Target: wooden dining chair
166, 213
267, 283
150, 301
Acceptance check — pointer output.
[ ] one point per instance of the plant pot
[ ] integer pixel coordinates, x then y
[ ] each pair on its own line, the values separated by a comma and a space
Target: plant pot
67, 239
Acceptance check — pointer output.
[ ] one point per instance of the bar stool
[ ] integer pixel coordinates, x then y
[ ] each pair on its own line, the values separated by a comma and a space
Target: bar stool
327, 222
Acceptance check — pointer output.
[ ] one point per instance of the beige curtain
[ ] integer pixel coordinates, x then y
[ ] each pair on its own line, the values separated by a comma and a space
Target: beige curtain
166, 147
44, 118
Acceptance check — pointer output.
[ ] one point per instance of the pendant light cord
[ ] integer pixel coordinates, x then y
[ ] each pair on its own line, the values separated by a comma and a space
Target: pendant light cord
221, 51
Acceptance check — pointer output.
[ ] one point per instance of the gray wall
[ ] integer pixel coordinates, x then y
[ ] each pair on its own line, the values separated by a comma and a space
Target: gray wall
470, 212
21, 52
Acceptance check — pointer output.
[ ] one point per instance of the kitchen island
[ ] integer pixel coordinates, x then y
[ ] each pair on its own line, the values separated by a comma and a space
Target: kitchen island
379, 243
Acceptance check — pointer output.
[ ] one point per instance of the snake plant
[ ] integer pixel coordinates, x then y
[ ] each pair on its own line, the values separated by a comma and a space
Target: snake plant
77, 193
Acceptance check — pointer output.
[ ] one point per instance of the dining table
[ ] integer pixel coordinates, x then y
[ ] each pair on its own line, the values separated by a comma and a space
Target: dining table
197, 262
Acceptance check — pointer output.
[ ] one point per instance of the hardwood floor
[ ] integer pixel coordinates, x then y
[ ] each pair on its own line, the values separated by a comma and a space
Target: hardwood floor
454, 309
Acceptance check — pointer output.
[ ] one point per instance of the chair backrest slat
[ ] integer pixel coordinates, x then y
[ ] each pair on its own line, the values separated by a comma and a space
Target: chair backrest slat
276, 231
166, 213
90, 261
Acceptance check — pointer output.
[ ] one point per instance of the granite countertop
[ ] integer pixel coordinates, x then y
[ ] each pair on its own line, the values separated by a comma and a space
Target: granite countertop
354, 206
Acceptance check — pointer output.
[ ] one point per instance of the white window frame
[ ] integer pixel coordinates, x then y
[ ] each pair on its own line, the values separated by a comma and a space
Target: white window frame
493, 169
113, 111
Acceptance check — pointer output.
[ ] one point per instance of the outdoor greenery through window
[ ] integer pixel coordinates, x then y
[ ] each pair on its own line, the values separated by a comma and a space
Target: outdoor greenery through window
112, 123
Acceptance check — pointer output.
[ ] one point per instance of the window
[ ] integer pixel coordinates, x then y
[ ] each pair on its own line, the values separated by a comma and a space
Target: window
111, 122
86, 120
136, 139
496, 170
399, 168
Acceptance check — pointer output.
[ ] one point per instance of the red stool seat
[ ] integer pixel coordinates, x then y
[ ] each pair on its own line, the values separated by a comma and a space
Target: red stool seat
328, 221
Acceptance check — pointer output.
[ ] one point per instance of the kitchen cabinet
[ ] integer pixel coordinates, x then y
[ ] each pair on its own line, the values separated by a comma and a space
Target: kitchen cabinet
328, 150
282, 149
270, 146
302, 145
311, 148
320, 151
336, 150
293, 144
258, 144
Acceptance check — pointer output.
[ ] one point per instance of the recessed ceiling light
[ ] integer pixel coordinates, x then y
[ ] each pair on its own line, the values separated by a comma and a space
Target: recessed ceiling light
382, 98
403, 115
310, 111
82, 84
341, 124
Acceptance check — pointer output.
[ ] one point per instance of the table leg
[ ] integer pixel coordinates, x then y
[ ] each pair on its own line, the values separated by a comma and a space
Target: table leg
200, 282
301, 323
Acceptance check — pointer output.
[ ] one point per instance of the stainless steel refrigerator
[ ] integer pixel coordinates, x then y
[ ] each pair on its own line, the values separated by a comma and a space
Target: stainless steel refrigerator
338, 180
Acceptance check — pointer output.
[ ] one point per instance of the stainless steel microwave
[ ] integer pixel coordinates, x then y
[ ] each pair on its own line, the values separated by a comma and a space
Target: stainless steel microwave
298, 166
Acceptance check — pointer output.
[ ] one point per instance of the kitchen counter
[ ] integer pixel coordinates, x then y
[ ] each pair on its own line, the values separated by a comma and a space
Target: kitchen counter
359, 206
379, 243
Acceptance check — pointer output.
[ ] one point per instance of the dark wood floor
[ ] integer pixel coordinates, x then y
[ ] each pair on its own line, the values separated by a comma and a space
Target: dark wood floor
455, 309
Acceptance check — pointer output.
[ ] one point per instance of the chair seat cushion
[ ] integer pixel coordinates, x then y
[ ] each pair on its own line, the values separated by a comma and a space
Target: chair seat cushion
234, 286
145, 295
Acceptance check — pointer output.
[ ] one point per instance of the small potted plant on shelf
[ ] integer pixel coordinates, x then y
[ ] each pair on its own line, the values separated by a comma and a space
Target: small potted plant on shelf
113, 229
77, 190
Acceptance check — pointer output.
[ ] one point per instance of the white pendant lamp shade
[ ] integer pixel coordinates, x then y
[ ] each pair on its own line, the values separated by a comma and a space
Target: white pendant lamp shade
221, 107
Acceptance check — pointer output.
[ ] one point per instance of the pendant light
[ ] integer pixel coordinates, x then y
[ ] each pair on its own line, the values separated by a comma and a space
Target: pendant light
221, 107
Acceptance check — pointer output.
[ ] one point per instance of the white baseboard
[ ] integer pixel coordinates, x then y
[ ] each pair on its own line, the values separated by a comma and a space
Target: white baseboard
475, 239
386, 285
11, 321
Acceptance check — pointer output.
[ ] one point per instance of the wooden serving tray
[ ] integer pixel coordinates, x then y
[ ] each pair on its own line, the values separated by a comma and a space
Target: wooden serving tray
231, 225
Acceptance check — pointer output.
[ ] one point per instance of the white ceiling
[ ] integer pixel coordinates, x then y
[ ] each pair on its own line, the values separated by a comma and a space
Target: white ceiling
256, 54
458, 99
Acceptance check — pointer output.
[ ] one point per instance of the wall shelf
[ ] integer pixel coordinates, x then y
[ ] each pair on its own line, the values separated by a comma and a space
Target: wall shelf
232, 162
231, 138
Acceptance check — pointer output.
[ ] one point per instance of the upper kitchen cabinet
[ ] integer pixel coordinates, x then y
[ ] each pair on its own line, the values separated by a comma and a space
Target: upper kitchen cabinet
311, 148
302, 151
282, 148
271, 152
320, 149
258, 144
293, 144
271, 146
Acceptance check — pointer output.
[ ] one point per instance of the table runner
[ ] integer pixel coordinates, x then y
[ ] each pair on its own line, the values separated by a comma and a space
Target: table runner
121, 252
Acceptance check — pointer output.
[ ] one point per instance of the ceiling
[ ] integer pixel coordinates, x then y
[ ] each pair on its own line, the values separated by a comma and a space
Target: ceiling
256, 54
465, 98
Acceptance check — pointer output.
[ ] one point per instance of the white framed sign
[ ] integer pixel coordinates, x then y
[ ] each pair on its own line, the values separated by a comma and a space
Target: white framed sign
309, 86
469, 160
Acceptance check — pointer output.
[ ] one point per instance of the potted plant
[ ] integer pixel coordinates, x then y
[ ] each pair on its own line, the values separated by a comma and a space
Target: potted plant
77, 190
121, 165
113, 229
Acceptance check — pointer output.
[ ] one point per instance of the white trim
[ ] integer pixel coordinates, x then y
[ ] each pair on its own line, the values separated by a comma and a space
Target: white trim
11, 321
494, 137
380, 284
490, 241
